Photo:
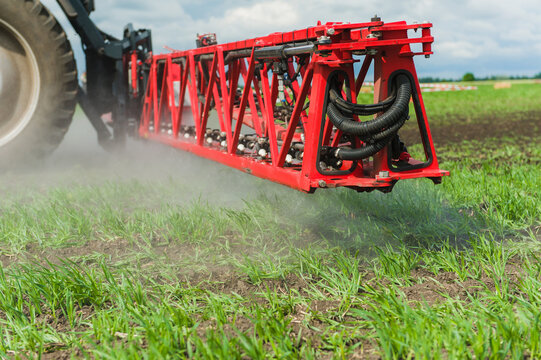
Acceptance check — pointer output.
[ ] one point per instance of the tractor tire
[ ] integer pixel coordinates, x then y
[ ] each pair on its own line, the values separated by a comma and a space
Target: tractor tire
38, 82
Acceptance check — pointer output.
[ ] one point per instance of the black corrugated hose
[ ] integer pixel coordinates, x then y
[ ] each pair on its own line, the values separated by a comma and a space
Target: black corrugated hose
375, 133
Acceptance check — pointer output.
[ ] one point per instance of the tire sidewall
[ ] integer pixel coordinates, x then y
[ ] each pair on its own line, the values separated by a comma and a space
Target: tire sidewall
49, 45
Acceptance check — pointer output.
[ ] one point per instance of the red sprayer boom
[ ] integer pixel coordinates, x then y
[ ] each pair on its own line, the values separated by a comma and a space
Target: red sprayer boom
286, 104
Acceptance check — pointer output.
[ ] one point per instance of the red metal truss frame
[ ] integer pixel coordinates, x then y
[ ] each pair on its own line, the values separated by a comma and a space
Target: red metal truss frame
208, 78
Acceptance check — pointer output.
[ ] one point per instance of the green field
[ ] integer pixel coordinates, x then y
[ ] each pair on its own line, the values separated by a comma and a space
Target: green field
186, 258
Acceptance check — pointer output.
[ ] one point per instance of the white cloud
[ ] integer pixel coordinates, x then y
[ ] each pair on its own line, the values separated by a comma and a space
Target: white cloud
458, 49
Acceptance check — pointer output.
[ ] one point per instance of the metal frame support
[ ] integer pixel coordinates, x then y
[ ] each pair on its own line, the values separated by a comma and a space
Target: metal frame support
107, 68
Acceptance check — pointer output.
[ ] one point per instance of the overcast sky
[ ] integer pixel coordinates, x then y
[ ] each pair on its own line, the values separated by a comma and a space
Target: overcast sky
486, 37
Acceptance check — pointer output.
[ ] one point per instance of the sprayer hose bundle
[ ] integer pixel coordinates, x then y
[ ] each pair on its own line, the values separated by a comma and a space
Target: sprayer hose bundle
377, 132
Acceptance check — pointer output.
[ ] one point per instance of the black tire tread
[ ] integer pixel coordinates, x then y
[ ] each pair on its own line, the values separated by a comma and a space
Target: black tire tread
64, 114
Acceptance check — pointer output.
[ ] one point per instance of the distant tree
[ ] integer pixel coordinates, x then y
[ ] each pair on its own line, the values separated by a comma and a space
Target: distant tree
430, 79
468, 77
537, 76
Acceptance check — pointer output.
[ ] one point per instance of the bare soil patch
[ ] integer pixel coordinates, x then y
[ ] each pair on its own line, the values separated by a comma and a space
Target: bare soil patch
433, 289
44, 255
526, 125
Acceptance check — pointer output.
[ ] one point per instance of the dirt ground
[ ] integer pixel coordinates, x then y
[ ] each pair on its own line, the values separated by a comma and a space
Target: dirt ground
523, 126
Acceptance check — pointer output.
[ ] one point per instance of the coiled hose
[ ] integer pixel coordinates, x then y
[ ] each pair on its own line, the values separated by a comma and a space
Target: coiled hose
360, 109
375, 133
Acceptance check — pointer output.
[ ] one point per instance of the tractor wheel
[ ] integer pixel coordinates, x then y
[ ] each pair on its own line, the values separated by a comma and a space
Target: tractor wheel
38, 81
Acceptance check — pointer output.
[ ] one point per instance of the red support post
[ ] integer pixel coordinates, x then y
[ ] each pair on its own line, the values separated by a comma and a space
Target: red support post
246, 92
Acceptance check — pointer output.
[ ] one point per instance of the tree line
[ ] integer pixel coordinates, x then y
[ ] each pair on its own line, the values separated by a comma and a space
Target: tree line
469, 76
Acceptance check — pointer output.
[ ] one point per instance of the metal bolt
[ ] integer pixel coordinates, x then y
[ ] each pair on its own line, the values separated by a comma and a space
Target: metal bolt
289, 158
375, 34
427, 56
324, 40
330, 31
322, 184
371, 52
